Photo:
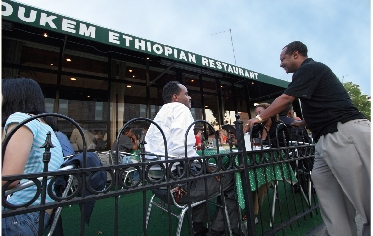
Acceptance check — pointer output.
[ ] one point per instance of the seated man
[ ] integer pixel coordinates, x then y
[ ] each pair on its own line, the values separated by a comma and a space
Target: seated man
298, 134
76, 139
127, 142
198, 135
174, 118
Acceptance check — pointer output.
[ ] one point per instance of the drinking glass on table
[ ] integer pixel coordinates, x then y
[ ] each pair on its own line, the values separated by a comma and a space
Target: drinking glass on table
256, 142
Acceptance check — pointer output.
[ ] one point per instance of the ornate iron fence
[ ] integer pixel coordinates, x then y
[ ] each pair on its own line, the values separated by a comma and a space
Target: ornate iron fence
285, 173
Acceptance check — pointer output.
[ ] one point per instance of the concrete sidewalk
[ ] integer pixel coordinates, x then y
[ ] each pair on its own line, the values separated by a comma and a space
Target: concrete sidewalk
320, 230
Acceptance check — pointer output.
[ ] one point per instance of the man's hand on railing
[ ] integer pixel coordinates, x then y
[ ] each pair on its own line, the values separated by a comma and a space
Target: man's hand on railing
253, 121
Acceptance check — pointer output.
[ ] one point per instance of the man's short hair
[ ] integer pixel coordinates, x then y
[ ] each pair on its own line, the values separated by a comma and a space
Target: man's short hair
287, 109
296, 46
126, 130
169, 90
196, 131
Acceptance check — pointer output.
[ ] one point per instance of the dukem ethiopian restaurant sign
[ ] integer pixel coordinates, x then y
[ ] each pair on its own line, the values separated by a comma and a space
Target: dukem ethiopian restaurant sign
16, 12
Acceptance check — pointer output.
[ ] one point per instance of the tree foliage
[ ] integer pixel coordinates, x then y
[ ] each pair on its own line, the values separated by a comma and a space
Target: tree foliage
360, 100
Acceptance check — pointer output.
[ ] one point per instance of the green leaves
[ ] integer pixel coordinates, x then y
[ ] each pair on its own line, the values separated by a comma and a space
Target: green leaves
361, 101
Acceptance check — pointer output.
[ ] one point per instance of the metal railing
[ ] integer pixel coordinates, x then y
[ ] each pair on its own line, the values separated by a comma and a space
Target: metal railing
248, 166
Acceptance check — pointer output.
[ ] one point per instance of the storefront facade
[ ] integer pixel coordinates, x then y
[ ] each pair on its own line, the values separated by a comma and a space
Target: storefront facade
103, 78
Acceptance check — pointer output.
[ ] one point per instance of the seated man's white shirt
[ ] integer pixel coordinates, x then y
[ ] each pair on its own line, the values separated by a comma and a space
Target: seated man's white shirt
174, 119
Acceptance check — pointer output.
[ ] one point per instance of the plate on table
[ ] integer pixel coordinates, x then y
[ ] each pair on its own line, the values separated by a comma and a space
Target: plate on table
260, 148
134, 159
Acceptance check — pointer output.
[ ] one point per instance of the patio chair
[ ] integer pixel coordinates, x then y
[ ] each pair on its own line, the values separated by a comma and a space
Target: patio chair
160, 200
107, 159
298, 169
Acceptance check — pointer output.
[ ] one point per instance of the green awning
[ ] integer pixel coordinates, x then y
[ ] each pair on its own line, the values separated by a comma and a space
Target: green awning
24, 14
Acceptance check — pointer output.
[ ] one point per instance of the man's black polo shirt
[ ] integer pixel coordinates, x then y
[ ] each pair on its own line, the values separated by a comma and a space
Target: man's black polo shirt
325, 101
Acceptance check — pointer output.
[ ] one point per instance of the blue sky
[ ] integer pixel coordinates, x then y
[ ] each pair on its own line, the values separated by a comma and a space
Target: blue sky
337, 33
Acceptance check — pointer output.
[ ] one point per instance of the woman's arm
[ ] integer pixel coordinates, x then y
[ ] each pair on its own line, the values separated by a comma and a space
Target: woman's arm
17, 152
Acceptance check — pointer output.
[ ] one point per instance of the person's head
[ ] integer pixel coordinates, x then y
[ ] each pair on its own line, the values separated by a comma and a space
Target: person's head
198, 132
173, 91
21, 95
246, 128
128, 131
292, 56
222, 132
288, 111
261, 107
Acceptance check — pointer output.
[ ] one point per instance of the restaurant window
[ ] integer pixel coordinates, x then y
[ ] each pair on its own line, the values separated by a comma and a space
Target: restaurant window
83, 99
64, 107
212, 110
196, 104
85, 63
99, 111
154, 110
127, 96
156, 96
49, 104
211, 102
241, 95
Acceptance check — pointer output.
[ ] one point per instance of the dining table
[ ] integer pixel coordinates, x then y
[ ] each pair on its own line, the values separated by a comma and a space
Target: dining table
263, 170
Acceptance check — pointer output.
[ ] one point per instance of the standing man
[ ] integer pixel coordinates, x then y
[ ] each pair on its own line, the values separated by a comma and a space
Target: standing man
341, 172
174, 118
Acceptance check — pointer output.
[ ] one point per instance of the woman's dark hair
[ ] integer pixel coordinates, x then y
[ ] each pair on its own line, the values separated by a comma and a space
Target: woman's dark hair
296, 46
169, 90
21, 95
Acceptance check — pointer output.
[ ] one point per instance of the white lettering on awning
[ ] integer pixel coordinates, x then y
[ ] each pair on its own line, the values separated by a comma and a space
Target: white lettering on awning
90, 31
205, 61
212, 63
157, 48
192, 58
240, 71
68, 25
183, 56
127, 38
114, 37
167, 50
21, 15
8, 9
225, 66
149, 46
140, 43
44, 18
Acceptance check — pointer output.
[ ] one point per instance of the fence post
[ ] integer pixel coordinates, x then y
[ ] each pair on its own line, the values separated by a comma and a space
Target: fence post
46, 158
246, 187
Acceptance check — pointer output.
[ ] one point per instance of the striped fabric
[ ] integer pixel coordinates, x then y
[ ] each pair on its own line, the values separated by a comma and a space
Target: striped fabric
35, 160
